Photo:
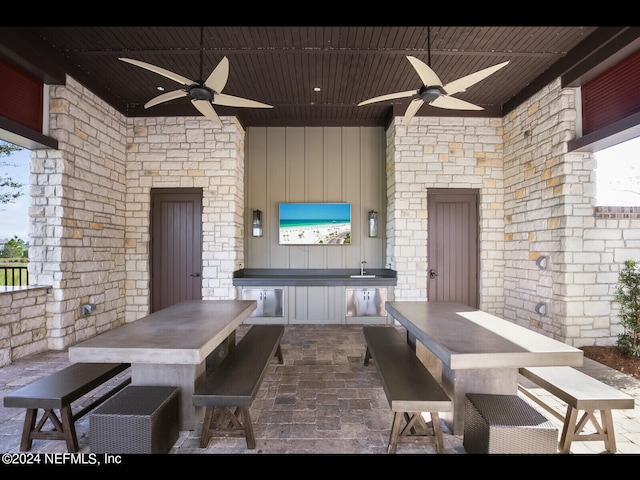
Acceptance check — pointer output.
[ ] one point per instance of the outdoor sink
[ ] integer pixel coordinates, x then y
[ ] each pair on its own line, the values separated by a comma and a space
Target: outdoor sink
363, 276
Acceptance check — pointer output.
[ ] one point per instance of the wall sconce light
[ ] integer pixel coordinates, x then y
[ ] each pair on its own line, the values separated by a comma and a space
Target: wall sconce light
541, 308
257, 223
373, 223
542, 262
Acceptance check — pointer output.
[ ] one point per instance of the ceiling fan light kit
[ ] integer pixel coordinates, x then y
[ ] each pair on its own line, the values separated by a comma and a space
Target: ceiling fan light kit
429, 94
200, 93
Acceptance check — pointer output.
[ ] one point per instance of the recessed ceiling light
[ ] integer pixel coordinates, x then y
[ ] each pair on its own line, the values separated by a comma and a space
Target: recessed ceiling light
316, 89
160, 88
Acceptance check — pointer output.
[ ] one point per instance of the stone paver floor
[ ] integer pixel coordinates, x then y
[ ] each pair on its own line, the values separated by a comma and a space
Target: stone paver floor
323, 400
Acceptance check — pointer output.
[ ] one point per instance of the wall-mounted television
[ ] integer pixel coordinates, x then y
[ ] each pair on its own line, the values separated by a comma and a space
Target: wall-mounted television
315, 224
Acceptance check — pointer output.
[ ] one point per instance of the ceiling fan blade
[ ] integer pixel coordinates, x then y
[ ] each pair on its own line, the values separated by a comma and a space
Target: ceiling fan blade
412, 109
206, 109
165, 97
465, 82
452, 103
426, 74
231, 101
160, 71
389, 96
218, 78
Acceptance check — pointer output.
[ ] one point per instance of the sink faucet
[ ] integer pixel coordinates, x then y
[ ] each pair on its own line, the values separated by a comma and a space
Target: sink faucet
362, 264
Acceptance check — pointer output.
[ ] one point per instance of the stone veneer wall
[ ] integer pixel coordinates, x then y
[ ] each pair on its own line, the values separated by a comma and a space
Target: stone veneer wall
536, 199
549, 193
186, 152
77, 215
444, 152
550, 210
89, 230
23, 323
90, 213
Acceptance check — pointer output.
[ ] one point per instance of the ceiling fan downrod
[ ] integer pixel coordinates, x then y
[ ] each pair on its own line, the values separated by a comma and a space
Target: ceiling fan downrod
429, 46
201, 91
201, 77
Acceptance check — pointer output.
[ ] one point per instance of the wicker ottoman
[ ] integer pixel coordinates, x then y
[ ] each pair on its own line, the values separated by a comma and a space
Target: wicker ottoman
138, 419
506, 424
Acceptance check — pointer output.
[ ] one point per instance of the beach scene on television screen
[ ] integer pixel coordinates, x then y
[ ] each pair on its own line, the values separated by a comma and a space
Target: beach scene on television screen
315, 224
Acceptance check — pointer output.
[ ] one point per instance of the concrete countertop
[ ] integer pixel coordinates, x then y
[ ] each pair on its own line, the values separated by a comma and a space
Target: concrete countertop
184, 333
463, 337
265, 277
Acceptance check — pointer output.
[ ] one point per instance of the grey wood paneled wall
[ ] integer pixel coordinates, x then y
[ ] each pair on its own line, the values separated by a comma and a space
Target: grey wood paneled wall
315, 164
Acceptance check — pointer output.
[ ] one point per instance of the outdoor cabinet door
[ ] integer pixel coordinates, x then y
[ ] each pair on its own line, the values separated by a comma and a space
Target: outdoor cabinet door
269, 301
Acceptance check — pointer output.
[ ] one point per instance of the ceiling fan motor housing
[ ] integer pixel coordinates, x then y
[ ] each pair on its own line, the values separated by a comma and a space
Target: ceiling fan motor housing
200, 92
430, 93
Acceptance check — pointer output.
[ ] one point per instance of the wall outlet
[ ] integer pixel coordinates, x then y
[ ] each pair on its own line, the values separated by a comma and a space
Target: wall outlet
86, 309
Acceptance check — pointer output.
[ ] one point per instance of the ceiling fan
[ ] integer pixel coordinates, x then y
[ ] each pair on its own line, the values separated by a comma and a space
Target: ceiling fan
203, 93
432, 91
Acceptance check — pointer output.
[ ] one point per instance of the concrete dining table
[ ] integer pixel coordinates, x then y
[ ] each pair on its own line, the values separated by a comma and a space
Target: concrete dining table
471, 351
169, 347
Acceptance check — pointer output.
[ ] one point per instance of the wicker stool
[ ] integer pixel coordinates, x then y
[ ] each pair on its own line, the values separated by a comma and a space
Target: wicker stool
138, 419
506, 424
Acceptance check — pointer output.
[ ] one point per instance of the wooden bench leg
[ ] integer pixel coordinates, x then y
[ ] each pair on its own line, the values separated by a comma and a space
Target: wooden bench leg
437, 432
409, 433
206, 427
29, 425
63, 428
395, 432
367, 357
69, 429
248, 428
227, 420
571, 431
279, 355
413, 418
607, 425
568, 429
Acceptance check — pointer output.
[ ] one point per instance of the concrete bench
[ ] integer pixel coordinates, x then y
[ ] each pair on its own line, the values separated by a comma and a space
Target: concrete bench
580, 392
409, 387
58, 391
233, 385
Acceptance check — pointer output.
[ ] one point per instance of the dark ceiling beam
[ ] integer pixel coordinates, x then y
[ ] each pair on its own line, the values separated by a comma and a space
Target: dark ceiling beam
618, 132
493, 111
24, 137
314, 51
590, 48
186, 109
37, 57
609, 54
31, 54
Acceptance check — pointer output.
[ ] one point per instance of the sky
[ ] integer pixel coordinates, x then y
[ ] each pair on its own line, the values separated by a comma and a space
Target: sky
14, 217
618, 173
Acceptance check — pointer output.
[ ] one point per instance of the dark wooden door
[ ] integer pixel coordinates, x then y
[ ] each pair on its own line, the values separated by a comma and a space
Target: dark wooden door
176, 246
453, 246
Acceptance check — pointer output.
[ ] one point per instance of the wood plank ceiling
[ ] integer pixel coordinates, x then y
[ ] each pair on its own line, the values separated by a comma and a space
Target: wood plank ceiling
283, 65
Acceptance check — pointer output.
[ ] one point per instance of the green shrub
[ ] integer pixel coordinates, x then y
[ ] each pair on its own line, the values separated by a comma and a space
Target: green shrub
628, 296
